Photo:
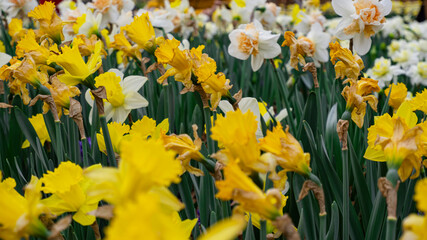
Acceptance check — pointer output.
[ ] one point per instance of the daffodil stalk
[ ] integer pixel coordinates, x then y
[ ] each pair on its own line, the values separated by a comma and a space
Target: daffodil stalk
282, 93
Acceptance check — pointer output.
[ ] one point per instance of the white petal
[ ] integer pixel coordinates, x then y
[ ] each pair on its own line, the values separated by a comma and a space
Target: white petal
269, 49
386, 6
88, 98
4, 58
109, 111
225, 106
233, 50
120, 115
117, 72
282, 114
249, 103
343, 8
256, 62
134, 100
321, 55
362, 44
133, 83
345, 22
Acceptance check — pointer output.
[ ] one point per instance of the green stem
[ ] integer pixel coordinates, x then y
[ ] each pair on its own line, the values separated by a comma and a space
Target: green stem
209, 165
345, 192
84, 150
322, 230
171, 105
391, 229
263, 230
107, 139
207, 117
283, 95
319, 109
58, 145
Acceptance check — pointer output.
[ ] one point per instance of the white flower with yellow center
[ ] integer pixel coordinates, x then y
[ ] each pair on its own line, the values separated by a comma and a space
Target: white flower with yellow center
418, 73
14, 7
361, 19
252, 40
405, 58
383, 71
122, 94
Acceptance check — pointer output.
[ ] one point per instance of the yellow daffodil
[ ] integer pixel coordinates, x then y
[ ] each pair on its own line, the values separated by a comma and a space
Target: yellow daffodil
141, 32
39, 125
226, 229
50, 23
234, 133
87, 46
169, 53
144, 165
357, 95
27, 72
16, 86
146, 215
122, 94
16, 30
76, 70
240, 188
414, 225
117, 132
349, 65
186, 149
398, 95
68, 187
20, 214
287, 153
214, 84
122, 44
419, 102
28, 45
146, 127
300, 48
396, 140
61, 94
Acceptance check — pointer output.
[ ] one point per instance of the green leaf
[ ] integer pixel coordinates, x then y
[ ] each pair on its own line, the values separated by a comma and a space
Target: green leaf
249, 233
334, 227
377, 218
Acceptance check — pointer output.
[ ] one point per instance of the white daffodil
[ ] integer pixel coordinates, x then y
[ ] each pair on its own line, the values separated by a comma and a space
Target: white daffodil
268, 113
418, 73
111, 9
88, 24
267, 15
361, 19
309, 19
252, 39
405, 58
122, 94
321, 43
13, 8
383, 71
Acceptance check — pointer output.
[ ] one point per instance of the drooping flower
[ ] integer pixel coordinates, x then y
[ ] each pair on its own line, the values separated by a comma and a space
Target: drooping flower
40, 126
240, 188
75, 68
68, 187
357, 95
50, 23
349, 65
117, 132
234, 133
16, 30
287, 153
27, 72
122, 94
314, 45
186, 148
29, 46
16, 86
398, 94
252, 40
396, 140
361, 19
129, 51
